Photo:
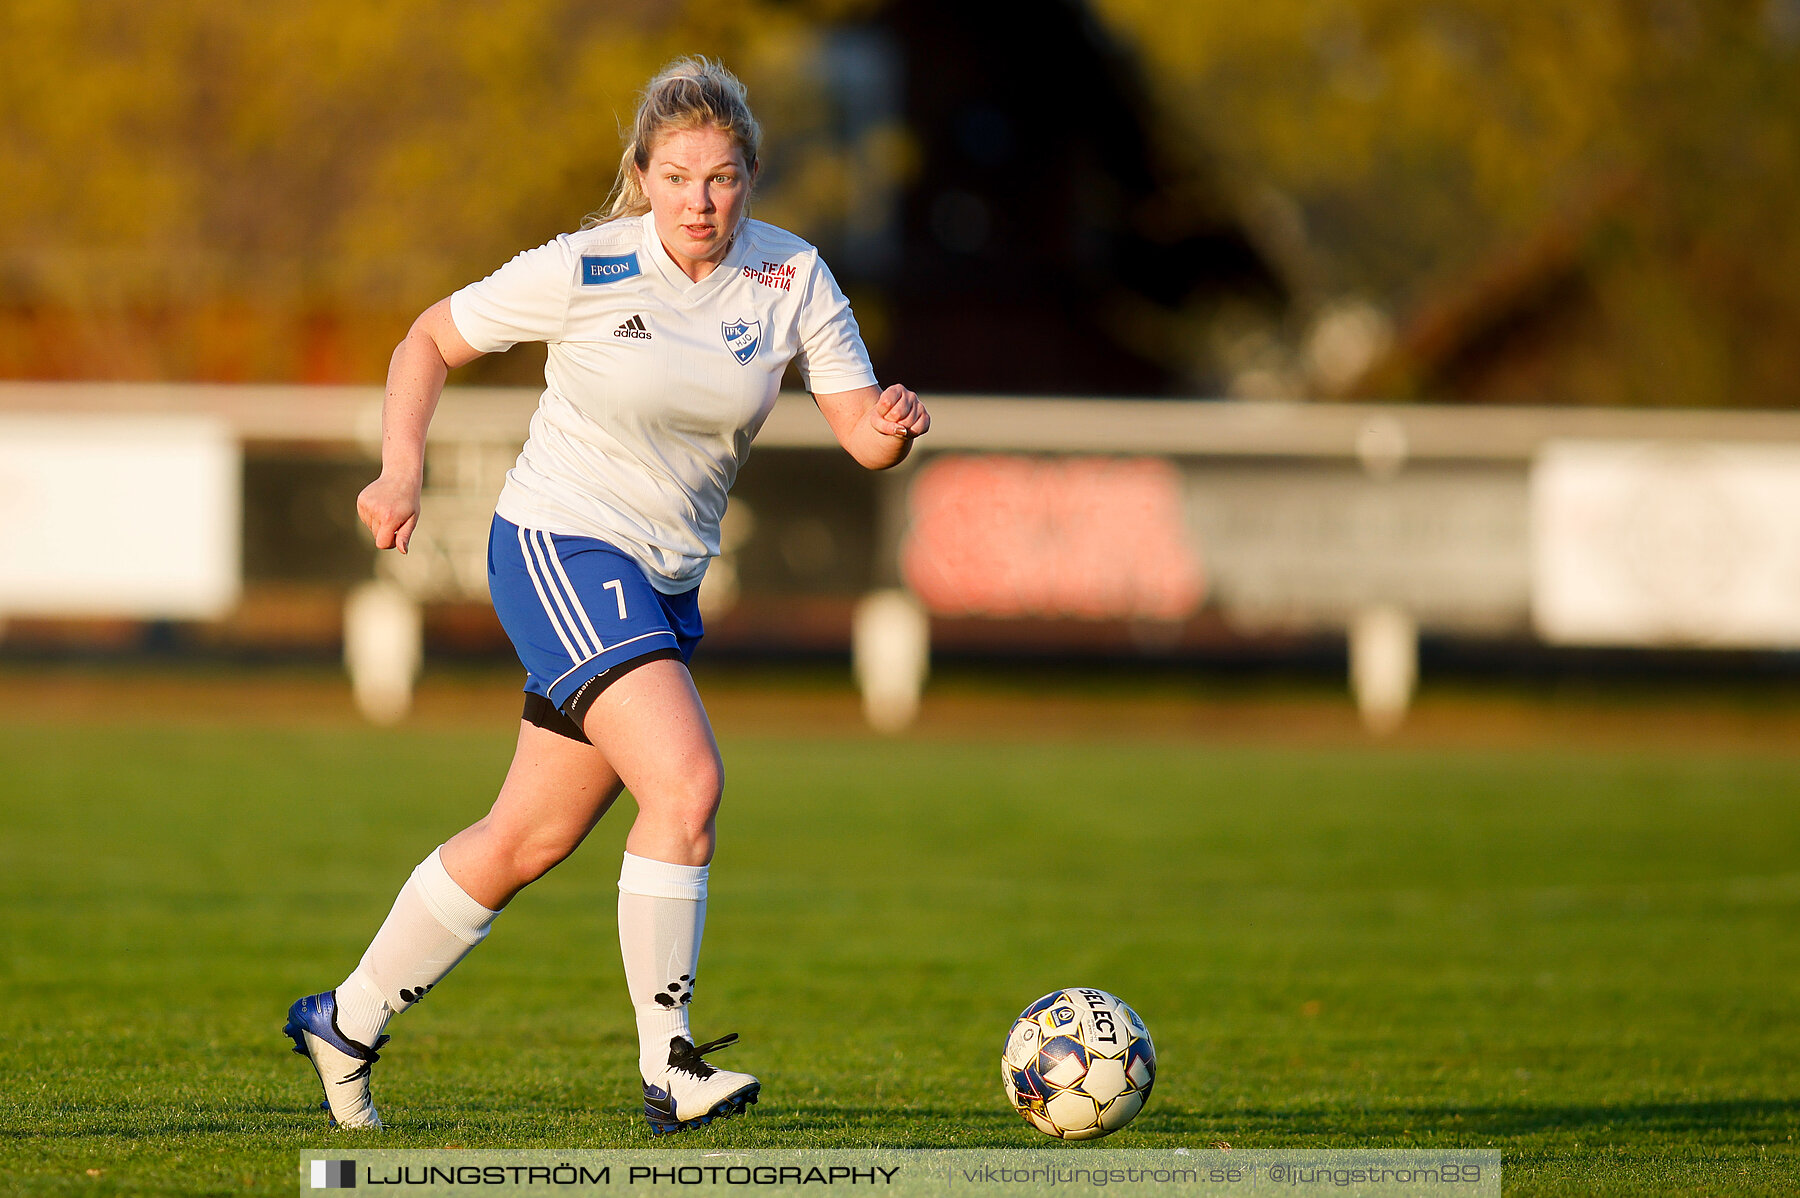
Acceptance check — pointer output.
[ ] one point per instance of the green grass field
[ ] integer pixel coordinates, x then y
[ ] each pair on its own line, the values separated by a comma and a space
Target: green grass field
1589, 960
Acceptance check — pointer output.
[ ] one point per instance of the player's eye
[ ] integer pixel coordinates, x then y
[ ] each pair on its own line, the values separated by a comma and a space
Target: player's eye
676, 179
727, 180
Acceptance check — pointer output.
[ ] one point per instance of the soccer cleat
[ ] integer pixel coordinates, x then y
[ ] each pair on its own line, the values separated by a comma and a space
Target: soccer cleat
690, 1093
341, 1063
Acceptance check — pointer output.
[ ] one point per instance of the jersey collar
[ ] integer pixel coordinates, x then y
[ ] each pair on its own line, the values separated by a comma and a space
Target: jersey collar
675, 278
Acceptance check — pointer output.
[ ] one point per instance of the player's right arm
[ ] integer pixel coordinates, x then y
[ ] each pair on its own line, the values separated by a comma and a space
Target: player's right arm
431, 349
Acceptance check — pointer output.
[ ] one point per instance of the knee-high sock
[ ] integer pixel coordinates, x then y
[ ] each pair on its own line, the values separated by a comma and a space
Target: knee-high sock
662, 913
433, 925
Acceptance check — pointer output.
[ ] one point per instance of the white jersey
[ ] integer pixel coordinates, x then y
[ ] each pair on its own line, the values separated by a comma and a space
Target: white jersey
656, 384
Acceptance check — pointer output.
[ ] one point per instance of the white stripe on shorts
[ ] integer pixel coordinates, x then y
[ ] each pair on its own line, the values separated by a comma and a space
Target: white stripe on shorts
569, 590
646, 636
552, 606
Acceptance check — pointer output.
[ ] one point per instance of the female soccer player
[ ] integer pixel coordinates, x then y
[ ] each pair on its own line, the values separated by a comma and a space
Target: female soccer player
669, 320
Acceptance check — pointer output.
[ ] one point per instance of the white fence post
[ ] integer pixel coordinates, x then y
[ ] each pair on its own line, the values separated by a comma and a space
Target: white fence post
1384, 665
384, 644
890, 653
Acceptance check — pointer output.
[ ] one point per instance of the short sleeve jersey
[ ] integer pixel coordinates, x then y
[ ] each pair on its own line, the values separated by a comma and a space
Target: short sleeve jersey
655, 384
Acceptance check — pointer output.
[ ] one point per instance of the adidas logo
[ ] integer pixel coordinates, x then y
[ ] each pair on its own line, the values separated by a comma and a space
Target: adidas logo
633, 328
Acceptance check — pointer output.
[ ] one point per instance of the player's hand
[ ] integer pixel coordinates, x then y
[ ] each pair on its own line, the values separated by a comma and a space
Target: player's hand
898, 413
390, 507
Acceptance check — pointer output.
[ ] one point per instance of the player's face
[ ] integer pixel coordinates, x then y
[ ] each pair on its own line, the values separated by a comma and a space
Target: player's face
698, 185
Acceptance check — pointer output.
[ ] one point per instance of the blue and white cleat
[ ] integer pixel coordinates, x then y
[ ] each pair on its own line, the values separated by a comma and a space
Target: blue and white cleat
690, 1093
341, 1063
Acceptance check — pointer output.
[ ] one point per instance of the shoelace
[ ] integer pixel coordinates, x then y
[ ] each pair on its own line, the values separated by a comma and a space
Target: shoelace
362, 1071
686, 1056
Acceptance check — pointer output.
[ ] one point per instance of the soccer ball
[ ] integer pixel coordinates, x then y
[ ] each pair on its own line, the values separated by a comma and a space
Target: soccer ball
1078, 1064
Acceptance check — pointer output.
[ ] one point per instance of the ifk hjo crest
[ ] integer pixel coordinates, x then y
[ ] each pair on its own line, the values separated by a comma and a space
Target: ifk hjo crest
742, 337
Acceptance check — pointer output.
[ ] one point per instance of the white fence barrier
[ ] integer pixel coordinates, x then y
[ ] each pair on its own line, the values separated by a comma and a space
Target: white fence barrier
1585, 526
118, 515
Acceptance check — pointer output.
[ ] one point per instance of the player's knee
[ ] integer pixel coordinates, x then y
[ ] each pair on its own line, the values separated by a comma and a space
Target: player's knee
691, 800
701, 792
536, 856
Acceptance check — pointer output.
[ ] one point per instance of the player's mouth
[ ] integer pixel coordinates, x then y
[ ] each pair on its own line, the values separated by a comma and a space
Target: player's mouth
699, 232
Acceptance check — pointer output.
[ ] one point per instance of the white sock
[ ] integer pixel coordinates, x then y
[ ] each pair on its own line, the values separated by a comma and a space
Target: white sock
662, 913
433, 925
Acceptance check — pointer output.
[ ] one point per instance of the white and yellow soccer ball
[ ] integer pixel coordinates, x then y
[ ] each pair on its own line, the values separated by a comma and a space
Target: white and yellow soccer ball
1078, 1064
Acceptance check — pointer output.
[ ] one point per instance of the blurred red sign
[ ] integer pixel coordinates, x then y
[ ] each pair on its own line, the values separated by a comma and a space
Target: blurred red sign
1089, 537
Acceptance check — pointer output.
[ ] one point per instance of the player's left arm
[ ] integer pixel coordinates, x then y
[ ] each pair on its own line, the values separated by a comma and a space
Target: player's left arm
875, 427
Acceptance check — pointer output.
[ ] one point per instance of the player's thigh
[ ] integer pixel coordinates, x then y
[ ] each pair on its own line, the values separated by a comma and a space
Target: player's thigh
556, 789
654, 732
555, 792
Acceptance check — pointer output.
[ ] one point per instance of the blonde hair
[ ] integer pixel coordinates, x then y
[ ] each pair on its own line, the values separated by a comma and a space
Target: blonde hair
690, 93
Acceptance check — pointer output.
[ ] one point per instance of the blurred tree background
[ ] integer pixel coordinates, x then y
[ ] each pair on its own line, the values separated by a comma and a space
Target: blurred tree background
1588, 201
1474, 200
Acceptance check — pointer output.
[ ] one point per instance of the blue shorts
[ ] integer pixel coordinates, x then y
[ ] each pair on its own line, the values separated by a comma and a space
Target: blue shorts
581, 615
